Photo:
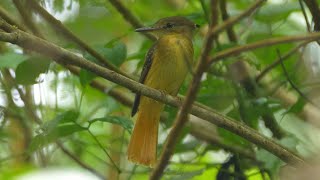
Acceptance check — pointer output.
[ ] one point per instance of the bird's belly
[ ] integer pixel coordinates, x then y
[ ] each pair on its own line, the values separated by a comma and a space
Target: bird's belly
168, 73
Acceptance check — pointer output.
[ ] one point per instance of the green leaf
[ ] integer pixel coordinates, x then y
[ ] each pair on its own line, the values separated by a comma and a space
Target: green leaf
116, 52
43, 139
271, 162
297, 107
233, 139
11, 59
86, 77
216, 92
28, 71
186, 147
277, 12
126, 123
65, 117
62, 125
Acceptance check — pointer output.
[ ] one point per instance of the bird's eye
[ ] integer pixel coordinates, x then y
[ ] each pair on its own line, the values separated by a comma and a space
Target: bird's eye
197, 25
169, 25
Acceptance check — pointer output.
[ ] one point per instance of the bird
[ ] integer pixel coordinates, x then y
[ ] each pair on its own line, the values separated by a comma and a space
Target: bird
166, 65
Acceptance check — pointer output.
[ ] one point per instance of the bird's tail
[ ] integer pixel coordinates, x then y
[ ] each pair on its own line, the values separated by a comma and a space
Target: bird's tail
143, 143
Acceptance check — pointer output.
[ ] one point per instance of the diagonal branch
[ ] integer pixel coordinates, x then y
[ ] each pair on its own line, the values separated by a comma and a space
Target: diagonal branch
263, 43
78, 161
233, 20
63, 56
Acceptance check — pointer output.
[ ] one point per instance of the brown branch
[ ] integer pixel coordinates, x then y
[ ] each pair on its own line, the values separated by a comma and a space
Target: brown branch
60, 28
305, 15
315, 12
263, 43
182, 116
63, 56
225, 16
78, 161
129, 17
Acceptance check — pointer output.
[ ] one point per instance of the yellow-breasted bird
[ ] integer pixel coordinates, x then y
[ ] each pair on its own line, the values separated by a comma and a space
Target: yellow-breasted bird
166, 66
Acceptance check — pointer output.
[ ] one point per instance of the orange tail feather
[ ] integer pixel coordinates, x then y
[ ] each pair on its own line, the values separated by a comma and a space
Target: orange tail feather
144, 139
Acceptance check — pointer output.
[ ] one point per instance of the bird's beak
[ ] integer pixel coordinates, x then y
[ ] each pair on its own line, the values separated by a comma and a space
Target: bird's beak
147, 29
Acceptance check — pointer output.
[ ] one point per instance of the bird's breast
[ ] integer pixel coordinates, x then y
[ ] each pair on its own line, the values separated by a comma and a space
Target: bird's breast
172, 59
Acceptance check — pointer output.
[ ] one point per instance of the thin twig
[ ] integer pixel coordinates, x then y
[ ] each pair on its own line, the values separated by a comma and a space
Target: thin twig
104, 150
278, 61
263, 43
63, 56
305, 15
315, 12
225, 16
78, 161
233, 20
292, 84
204, 9
5, 15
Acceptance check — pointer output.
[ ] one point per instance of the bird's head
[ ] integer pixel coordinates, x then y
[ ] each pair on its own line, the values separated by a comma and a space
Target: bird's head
169, 25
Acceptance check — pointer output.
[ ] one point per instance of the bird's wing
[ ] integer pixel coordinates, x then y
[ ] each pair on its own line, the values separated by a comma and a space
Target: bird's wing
144, 73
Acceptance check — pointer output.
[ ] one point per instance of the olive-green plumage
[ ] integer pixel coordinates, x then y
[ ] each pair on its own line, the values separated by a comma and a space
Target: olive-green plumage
167, 64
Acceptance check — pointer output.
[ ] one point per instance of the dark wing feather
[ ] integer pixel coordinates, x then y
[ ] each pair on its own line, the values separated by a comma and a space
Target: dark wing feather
144, 73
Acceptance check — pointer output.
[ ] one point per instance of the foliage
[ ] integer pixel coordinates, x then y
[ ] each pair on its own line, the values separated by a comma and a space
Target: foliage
46, 106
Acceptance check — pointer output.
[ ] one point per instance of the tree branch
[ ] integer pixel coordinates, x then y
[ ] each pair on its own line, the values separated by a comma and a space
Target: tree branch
63, 56
315, 12
263, 43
